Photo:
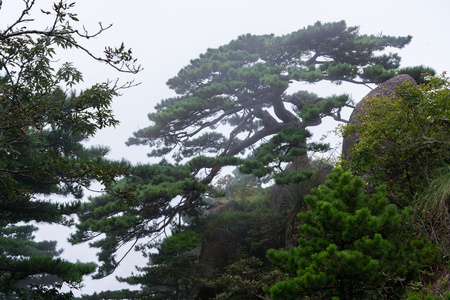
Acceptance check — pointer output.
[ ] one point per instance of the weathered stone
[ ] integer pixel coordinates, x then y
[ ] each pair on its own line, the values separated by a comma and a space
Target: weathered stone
386, 89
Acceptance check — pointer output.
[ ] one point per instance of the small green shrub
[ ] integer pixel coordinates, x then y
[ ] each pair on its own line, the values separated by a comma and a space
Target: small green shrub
351, 246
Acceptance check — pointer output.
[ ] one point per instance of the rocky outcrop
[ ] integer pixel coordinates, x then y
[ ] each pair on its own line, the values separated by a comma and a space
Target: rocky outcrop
386, 89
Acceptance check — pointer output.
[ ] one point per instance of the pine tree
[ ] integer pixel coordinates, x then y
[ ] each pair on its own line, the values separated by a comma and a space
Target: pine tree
42, 128
169, 274
351, 246
230, 101
43, 271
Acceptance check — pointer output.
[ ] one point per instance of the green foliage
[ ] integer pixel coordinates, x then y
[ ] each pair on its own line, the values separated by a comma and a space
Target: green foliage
315, 110
116, 295
253, 230
420, 74
436, 198
350, 246
240, 238
237, 186
421, 296
288, 144
43, 293
32, 269
153, 187
235, 244
42, 130
432, 210
404, 140
245, 189
169, 274
182, 241
237, 83
243, 279
291, 197
228, 102
18, 240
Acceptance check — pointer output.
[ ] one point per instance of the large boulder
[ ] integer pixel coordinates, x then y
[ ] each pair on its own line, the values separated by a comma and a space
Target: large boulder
386, 89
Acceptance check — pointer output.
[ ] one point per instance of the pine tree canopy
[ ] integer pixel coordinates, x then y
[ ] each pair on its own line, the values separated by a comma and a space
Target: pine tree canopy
351, 245
232, 103
242, 86
232, 98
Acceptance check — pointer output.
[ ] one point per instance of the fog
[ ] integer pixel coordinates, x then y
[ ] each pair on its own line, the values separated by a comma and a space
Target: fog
166, 35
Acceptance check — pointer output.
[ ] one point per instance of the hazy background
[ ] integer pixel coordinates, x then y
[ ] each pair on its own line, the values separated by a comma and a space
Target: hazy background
166, 35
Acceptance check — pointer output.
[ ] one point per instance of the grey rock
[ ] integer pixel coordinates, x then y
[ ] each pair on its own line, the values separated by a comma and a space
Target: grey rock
386, 89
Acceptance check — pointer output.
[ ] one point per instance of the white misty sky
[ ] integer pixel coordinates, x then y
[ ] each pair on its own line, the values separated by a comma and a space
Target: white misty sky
166, 35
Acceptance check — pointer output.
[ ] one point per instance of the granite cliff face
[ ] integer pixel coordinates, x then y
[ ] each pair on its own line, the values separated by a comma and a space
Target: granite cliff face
386, 89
